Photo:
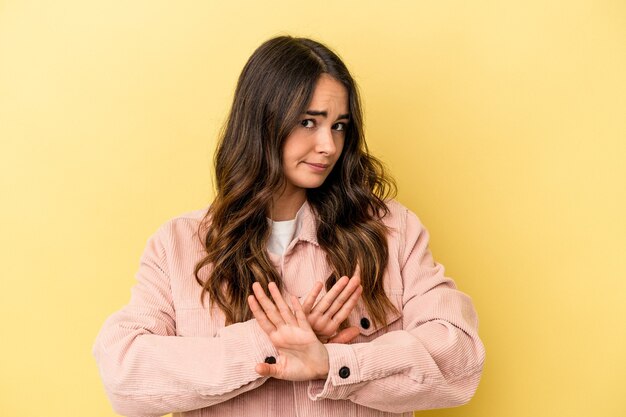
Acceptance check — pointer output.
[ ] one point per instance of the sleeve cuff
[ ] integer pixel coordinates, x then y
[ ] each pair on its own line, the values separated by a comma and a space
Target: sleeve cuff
250, 338
343, 374
261, 340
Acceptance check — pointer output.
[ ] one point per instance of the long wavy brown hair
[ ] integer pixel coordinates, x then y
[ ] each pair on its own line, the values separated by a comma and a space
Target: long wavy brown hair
272, 93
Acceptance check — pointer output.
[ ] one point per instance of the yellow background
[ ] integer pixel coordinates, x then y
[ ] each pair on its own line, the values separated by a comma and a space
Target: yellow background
503, 122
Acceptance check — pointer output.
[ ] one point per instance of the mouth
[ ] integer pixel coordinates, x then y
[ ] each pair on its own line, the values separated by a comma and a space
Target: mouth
317, 167
321, 166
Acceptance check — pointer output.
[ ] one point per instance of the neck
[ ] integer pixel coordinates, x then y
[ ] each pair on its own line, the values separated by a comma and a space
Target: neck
287, 204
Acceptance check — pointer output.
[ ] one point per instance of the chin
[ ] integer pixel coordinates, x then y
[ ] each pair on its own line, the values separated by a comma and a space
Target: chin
311, 184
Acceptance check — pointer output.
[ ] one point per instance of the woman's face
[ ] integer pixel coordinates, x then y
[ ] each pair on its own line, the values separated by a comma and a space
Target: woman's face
314, 145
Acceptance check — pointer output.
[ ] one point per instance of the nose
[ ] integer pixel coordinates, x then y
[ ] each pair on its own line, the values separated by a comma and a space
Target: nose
325, 142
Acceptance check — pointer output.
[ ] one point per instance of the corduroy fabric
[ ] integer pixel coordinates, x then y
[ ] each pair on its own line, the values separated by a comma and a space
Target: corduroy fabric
166, 353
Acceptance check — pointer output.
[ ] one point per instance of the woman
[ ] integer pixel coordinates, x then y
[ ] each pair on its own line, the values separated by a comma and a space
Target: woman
359, 320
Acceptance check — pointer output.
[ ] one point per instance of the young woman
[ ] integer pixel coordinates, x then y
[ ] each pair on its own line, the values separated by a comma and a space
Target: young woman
303, 289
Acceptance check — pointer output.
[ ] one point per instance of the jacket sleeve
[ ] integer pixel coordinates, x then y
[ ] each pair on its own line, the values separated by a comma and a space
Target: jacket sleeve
434, 362
149, 371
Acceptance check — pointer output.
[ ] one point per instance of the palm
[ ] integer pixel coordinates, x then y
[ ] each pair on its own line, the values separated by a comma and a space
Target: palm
292, 338
302, 356
295, 346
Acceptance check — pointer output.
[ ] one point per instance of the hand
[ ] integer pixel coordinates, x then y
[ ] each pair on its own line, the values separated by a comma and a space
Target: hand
336, 305
301, 356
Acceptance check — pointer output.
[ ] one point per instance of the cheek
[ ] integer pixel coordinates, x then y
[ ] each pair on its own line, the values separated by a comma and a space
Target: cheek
289, 157
287, 151
292, 149
339, 145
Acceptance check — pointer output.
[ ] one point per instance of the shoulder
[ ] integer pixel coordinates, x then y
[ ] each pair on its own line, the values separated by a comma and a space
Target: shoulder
181, 228
400, 217
405, 230
189, 218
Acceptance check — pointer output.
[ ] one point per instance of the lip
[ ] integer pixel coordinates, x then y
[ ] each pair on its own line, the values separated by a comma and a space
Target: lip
317, 167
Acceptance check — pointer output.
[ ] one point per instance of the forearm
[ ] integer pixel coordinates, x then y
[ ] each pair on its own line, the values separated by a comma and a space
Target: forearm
436, 361
399, 373
147, 374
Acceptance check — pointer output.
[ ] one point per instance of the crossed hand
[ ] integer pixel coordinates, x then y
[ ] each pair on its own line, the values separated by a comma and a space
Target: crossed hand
299, 335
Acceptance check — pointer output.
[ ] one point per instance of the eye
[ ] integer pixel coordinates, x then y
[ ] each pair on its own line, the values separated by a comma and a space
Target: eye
308, 123
341, 126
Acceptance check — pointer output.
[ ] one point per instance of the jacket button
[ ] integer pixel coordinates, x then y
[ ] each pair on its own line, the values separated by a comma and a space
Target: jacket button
344, 372
365, 323
270, 360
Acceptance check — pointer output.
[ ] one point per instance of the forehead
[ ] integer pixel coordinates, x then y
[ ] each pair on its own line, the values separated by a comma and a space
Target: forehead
329, 94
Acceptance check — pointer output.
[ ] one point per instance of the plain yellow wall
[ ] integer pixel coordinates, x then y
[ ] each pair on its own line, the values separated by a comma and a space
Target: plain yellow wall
503, 122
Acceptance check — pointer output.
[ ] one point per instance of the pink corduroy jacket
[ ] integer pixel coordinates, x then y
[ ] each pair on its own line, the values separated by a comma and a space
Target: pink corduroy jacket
165, 353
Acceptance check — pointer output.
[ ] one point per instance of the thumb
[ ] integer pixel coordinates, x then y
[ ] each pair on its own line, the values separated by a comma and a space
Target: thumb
266, 369
346, 335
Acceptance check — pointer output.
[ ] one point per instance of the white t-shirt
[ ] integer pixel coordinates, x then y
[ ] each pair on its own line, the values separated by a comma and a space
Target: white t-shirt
282, 233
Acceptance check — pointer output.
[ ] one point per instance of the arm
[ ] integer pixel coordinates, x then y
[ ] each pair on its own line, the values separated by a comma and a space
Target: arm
435, 361
149, 371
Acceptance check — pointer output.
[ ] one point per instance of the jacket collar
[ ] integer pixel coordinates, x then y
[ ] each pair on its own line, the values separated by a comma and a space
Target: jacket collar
308, 228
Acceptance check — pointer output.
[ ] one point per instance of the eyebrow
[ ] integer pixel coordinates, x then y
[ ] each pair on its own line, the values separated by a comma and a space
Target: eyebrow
325, 114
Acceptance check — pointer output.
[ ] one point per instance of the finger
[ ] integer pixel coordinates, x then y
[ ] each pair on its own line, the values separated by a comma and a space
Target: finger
266, 369
268, 306
310, 299
348, 306
303, 323
283, 308
344, 296
266, 325
329, 297
345, 336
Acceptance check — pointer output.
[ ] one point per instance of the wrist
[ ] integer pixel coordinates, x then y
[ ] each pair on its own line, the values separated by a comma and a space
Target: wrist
324, 367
